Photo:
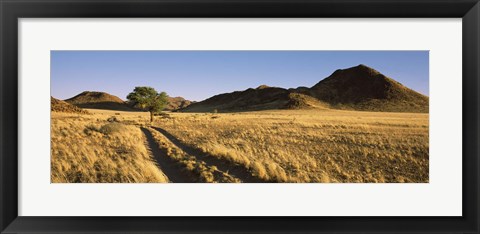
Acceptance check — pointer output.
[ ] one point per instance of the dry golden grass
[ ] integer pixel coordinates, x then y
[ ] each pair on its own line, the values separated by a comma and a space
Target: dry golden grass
194, 167
87, 148
276, 146
313, 146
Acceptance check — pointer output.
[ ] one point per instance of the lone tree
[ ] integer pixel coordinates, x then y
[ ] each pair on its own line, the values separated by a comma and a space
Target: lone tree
149, 99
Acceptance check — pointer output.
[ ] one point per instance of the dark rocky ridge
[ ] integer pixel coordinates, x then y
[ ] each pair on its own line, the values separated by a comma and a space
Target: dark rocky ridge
364, 88
61, 106
175, 103
356, 88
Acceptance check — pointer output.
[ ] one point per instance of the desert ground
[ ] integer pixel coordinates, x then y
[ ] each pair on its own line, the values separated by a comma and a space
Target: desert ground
293, 146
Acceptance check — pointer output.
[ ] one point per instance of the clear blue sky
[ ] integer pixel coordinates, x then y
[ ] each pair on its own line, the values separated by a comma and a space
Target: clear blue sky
197, 75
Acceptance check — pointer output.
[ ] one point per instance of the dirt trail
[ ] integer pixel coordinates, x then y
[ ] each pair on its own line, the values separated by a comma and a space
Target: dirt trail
166, 164
235, 170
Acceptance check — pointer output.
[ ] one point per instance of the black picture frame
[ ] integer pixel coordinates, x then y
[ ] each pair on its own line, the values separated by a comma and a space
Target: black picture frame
12, 10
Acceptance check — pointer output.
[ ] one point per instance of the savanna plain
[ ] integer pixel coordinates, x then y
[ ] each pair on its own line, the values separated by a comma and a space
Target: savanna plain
292, 146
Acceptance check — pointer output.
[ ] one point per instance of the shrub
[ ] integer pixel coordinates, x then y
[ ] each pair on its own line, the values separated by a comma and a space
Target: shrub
111, 128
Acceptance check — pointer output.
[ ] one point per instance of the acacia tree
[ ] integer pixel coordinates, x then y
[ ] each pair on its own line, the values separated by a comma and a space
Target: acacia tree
147, 98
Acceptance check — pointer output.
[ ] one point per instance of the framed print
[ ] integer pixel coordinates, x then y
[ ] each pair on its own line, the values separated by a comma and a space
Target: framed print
253, 116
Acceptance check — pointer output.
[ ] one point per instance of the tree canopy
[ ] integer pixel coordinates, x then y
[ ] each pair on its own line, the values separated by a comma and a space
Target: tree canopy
149, 99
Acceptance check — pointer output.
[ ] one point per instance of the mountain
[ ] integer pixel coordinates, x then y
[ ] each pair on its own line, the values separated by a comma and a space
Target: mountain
61, 106
175, 103
355, 88
99, 100
261, 98
102, 100
364, 88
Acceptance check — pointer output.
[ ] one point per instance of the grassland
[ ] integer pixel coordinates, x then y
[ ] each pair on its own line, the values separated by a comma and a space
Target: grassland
88, 148
265, 146
314, 146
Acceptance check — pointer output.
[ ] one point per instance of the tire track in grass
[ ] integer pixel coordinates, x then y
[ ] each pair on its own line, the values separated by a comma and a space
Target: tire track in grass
233, 169
167, 165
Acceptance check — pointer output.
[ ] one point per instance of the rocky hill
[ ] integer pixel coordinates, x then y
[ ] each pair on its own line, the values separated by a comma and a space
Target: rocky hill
175, 103
99, 100
364, 88
261, 98
61, 106
355, 88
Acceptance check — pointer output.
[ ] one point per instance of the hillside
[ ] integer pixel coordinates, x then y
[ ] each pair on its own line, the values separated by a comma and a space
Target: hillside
61, 106
105, 101
99, 100
364, 88
356, 88
261, 98
300, 101
175, 103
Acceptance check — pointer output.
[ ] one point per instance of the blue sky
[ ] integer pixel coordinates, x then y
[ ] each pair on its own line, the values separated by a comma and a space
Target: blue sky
197, 75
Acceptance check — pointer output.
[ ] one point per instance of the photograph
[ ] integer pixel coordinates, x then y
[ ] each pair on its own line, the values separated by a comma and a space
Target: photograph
239, 116
278, 116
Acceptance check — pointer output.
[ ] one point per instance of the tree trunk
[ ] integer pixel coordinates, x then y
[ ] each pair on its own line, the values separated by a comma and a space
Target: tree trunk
151, 117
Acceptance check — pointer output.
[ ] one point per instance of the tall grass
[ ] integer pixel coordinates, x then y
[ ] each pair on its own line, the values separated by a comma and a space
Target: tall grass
196, 168
314, 146
281, 146
89, 149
